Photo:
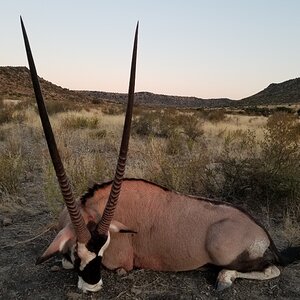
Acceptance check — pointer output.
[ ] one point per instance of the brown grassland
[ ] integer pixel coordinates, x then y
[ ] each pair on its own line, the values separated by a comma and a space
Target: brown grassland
251, 161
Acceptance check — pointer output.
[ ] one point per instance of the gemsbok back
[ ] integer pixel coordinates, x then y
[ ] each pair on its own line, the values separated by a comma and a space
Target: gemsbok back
152, 227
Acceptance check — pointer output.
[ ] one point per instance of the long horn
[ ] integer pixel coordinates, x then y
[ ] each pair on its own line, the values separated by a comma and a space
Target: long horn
83, 235
116, 186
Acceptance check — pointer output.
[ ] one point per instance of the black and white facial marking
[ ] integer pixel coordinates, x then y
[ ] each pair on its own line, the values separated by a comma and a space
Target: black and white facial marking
88, 262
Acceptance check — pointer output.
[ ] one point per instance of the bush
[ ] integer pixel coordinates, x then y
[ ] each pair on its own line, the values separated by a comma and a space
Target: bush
79, 122
12, 167
145, 124
281, 158
215, 116
166, 124
231, 177
14, 112
266, 173
10, 174
6, 113
113, 109
178, 166
191, 127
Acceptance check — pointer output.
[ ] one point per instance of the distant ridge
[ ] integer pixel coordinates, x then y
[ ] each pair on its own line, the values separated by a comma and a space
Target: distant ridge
151, 99
15, 83
276, 93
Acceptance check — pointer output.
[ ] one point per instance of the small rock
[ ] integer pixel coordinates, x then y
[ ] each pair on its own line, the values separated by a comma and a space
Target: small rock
7, 221
73, 296
136, 291
23, 201
121, 272
55, 269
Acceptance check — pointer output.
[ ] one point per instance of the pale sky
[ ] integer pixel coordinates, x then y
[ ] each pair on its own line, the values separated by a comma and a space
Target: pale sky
202, 48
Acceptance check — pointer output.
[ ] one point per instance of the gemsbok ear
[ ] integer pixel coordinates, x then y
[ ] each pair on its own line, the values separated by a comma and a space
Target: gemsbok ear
58, 244
116, 226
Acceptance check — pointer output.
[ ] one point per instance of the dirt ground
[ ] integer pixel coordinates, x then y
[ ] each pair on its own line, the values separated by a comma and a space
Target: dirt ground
24, 240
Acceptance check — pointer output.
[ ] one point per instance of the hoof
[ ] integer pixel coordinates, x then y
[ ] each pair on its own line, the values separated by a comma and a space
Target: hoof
222, 286
225, 279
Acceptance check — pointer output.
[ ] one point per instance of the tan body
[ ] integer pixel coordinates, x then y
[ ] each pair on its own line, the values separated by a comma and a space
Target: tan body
174, 232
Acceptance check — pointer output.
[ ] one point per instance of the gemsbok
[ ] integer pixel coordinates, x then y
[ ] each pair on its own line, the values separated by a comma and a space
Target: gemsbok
152, 227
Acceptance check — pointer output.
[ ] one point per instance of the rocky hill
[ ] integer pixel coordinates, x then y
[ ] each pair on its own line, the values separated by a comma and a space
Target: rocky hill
15, 83
146, 98
276, 93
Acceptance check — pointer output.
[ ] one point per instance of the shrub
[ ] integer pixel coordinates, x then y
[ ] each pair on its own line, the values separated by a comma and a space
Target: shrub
179, 168
10, 174
265, 173
19, 116
144, 125
54, 107
166, 124
5, 114
79, 122
215, 116
284, 109
258, 111
113, 109
12, 167
176, 145
235, 168
14, 112
191, 127
281, 158
184, 175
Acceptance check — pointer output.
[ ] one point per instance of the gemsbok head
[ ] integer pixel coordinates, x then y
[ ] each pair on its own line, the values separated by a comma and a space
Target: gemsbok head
90, 240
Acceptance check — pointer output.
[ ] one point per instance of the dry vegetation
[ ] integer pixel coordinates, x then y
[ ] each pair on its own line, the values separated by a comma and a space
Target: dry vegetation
252, 161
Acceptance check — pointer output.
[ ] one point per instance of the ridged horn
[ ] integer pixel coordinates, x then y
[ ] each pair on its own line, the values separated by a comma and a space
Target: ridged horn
117, 182
83, 235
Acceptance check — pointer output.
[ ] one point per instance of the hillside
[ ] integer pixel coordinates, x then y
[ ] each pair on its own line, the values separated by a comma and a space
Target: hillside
151, 99
276, 93
15, 83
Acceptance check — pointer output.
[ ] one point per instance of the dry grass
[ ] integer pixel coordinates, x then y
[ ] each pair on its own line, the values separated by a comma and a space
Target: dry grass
188, 159
233, 123
291, 227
